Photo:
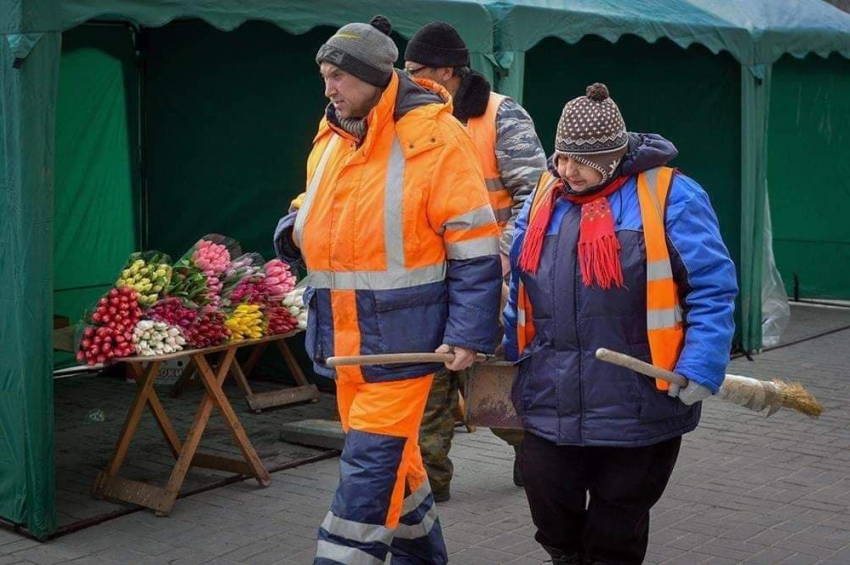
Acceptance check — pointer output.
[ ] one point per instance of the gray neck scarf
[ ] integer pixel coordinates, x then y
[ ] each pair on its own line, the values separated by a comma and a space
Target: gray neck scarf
354, 126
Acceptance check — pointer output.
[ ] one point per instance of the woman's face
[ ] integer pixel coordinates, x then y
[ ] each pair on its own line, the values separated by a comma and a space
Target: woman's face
580, 177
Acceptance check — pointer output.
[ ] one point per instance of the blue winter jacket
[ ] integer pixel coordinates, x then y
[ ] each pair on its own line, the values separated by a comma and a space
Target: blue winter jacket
562, 392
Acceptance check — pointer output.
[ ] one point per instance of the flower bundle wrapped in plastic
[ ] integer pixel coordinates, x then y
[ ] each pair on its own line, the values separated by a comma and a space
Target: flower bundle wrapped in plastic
279, 320
246, 322
294, 302
157, 338
147, 273
199, 274
99, 344
267, 285
212, 259
250, 290
279, 280
244, 268
174, 312
209, 329
114, 318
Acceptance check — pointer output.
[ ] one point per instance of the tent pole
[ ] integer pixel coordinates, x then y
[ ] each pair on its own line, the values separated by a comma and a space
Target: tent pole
755, 104
141, 39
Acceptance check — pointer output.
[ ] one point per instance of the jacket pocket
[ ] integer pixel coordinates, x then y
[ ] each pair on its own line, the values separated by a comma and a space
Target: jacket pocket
312, 336
655, 405
412, 320
534, 386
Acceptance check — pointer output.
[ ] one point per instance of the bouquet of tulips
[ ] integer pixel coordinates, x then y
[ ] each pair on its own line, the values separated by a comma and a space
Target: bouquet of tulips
267, 285
208, 329
174, 312
157, 338
279, 280
111, 331
199, 275
147, 273
243, 269
294, 302
246, 322
279, 321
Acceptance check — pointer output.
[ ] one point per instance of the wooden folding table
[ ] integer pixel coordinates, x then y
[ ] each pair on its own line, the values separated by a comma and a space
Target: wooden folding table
303, 391
212, 375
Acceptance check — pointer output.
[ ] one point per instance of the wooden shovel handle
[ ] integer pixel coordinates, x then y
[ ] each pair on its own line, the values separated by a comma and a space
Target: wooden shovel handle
397, 359
623, 360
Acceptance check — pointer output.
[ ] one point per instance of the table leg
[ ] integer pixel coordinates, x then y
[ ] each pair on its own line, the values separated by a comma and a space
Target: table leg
216, 396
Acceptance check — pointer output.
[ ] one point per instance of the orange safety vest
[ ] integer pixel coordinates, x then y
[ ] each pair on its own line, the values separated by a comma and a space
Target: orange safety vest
483, 131
663, 311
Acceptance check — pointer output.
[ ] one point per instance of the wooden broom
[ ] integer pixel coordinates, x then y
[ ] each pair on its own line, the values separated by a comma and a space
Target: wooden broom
744, 391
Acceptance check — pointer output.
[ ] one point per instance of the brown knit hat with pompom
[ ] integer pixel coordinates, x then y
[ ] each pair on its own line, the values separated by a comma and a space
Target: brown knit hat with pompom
592, 131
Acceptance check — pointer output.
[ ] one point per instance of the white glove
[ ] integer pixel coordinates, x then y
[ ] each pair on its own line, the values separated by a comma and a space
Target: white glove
692, 393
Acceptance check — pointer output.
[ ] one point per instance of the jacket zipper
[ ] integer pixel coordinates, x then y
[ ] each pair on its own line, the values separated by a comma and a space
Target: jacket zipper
576, 276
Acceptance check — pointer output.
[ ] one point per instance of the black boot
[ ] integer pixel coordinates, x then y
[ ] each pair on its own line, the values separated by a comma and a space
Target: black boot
517, 475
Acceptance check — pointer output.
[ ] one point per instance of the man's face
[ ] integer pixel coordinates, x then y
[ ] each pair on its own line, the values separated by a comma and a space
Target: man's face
440, 75
351, 97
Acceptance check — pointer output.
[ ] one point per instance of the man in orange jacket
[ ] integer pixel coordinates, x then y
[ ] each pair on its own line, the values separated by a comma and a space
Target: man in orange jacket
402, 250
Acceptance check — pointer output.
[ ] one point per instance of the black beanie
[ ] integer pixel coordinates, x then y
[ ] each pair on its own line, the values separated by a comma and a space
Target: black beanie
437, 44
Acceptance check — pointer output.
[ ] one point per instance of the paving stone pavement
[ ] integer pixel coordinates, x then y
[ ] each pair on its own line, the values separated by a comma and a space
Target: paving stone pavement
746, 490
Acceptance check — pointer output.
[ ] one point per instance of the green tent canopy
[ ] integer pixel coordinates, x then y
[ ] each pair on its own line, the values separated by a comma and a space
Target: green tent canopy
752, 31
296, 17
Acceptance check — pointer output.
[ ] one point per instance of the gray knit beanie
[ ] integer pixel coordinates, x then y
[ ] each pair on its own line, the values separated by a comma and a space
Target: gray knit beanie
592, 131
363, 50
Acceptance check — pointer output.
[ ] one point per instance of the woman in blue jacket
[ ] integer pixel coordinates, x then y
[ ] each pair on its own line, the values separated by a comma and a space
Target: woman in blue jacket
612, 250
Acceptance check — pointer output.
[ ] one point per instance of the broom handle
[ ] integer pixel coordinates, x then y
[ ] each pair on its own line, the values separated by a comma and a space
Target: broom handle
639, 366
399, 358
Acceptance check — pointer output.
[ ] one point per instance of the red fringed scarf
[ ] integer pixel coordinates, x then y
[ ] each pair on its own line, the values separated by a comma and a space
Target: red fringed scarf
598, 248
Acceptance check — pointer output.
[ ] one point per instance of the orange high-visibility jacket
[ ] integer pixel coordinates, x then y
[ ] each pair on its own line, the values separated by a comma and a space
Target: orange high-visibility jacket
397, 235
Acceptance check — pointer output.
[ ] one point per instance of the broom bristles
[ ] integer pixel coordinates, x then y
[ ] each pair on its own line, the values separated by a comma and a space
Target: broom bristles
795, 396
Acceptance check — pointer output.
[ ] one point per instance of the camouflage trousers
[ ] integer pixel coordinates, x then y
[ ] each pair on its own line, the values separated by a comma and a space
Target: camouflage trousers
438, 428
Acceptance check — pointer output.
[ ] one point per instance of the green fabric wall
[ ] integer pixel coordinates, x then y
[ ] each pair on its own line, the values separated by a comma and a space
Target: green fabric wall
96, 199
809, 174
230, 119
221, 109
27, 111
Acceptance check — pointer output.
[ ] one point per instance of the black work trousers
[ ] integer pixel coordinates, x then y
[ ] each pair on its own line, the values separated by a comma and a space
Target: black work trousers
612, 527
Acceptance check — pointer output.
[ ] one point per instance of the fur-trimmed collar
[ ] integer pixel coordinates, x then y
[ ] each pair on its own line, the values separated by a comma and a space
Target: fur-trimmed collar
471, 98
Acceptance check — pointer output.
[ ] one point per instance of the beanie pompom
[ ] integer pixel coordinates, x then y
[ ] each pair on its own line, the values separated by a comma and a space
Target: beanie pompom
383, 24
597, 92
